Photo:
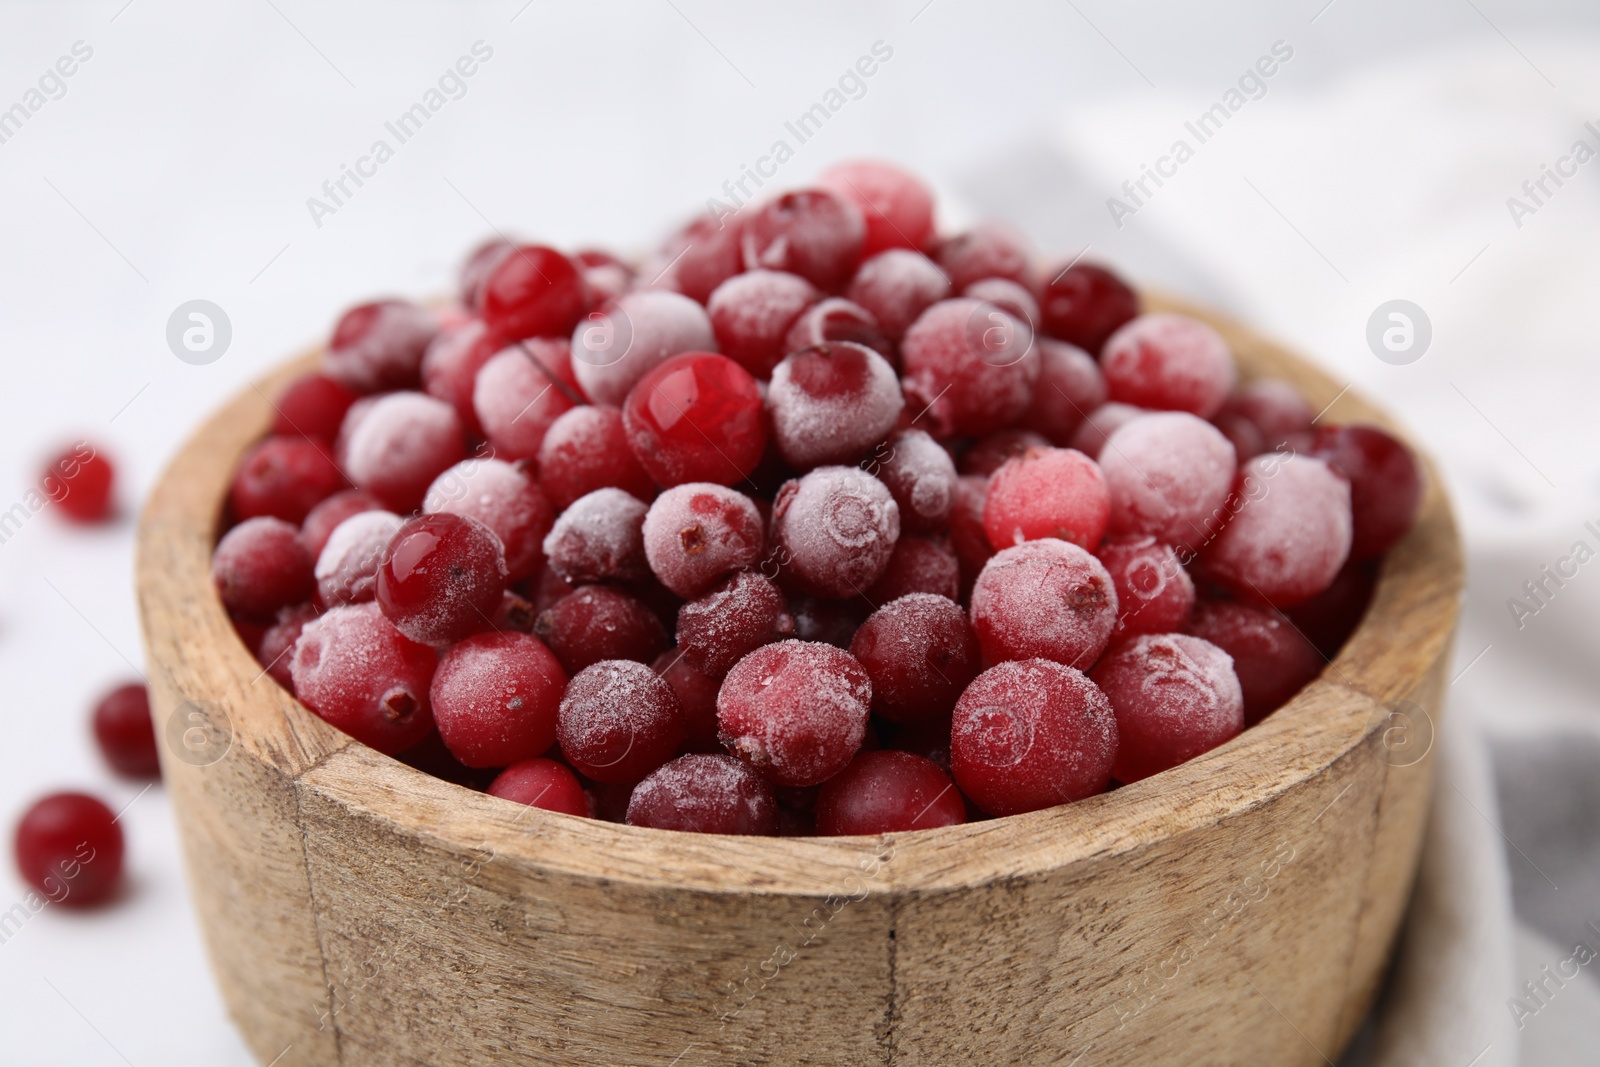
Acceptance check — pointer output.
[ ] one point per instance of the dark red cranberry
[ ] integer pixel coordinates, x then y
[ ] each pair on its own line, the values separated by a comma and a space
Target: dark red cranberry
477, 268
705, 794
619, 721
810, 232
325, 518
260, 566
888, 792
734, 619
69, 848
1085, 304
701, 256
360, 674
697, 695
533, 292
920, 653
494, 698
379, 346
542, 783
1328, 619
79, 482
441, 578
312, 406
1385, 484
124, 732
988, 250
284, 477
597, 622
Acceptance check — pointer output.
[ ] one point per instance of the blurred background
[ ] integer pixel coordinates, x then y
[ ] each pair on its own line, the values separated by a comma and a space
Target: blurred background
1398, 152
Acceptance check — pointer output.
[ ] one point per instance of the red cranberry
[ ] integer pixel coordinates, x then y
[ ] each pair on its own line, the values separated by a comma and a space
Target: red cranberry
705, 794
697, 533
441, 578
1103, 421
1154, 593
596, 622
533, 292
542, 783
450, 368
831, 403
1290, 531
1085, 304
323, 519
494, 698
1047, 492
275, 651
968, 537
503, 497
836, 528
988, 250
1175, 697
895, 287
379, 346
896, 205
477, 268
1274, 406
606, 277
697, 695
1008, 296
732, 620
1328, 619
1385, 484
69, 848
284, 477
831, 622
1272, 660
811, 232
700, 257
921, 477
920, 653
587, 449
1070, 386
1045, 599
752, 314
363, 676
795, 711
124, 732
79, 482
619, 721
347, 569
1169, 362
1169, 474
519, 393
696, 418
970, 366
260, 566
888, 792
312, 406
400, 444
997, 449
918, 565
620, 343
599, 538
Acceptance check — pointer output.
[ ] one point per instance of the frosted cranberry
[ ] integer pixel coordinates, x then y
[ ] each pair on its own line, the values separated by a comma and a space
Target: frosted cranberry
533, 292
810, 232
968, 537
1290, 531
542, 783
1154, 593
897, 286
1274, 406
1328, 619
313, 405
1030, 735
990, 453
1105, 420
988, 250
619, 343
400, 444
347, 568
69, 849
700, 257
605, 276
379, 346
1045, 599
1175, 697
494, 698
441, 578
970, 366
896, 205
734, 619
450, 367
697, 533
619, 721
516, 398
1385, 484
515, 614
705, 794
1047, 492
587, 449
363, 676
599, 537
124, 732
697, 695
1008, 296
1272, 660
1085, 304
284, 477
260, 566
1245, 436
920, 653
795, 711
506, 499
323, 519
596, 622
1169, 475
837, 319
918, 565
888, 792
831, 403
696, 418
836, 528
831, 622
921, 477
276, 648
1169, 362
79, 482
548, 588
1070, 386
752, 314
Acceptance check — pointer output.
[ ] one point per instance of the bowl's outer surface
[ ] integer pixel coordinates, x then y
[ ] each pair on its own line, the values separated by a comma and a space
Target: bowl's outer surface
1236, 910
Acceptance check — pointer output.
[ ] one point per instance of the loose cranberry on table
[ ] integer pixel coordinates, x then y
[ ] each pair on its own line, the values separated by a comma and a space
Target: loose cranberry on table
533, 291
1169, 475
1070, 386
895, 204
1271, 658
313, 405
795, 711
831, 403
587, 449
970, 366
618, 343
597, 622
1044, 599
507, 499
1170, 363
542, 783
810, 232
696, 418
355, 670
1385, 484
1175, 696
397, 445
519, 393
124, 732
836, 528
888, 792
79, 481
260, 566
1154, 592
599, 538
897, 286
441, 578
379, 346
1289, 534
494, 698
697, 533
919, 652
730, 621
752, 313
284, 477
1047, 492
1085, 304
705, 794
619, 721
69, 849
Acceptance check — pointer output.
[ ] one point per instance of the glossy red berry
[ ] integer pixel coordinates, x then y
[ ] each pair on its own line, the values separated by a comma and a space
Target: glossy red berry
587, 449
542, 783
705, 794
505, 498
533, 291
895, 204
619, 721
441, 578
696, 418
888, 792
313, 405
284, 477
1047, 492
79, 481
920, 652
597, 622
494, 698
260, 566
69, 849
811, 232
124, 732
1085, 304
1045, 599
1385, 484
795, 711
379, 346
1175, 696
360, 674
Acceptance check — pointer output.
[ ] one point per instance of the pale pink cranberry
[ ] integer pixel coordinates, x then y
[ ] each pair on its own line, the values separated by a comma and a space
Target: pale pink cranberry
1103, 421
897, 206
897, 286
1085, 304
921, 477
1070, 387
1274, 406
1272, 659
533, 291
477, 267
988, 250
699, 257
360, 674
752, 314
696, 534
399, 445
347, 567
1009, 297
1175, 697
918, 565
599, 538
705, 794
506, 499
836, 319
517, 398
323, 519
1045, 599
1047, 492
587, 449
379, 346
260, 566
920, 652
989, 454
620, 342
733, 619
1170, 363
1154, 593
1169, 474
795, 711
809, 232
836, 527
831, 403
971, 366
1290, 532
494, 699
618, 721
451, 365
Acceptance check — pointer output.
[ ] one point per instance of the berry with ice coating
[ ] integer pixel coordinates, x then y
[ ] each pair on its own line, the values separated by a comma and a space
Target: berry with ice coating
1154, 593
477, 267
494, 698
355, 670
619, 343
276, 648
1175, 696
796, 711
888, 792
990, 453
587, 449
697, 695
379, 346
1044, 599
505, 498
837, 319
1047, 492
533, 292
701, 256
398, 445
450, 367
599, 538
1070, 387
1009, 297
1272, 660
1274, 406
260, 566
917, 565
1169, 474
441, 578
618, 721
1091, 436
921, 477
542, 783
988, 250
1085, 304
518, 394
596, 622
695, 534
1385, 484
347, 567
895, 204
967, 536
282, 477
831, 403
752, 314
705, 794
1290, 532
920, 652
897, 286
1170, 363
836, 528
810, 232
734, 619
970, 366
696, 418
323, 519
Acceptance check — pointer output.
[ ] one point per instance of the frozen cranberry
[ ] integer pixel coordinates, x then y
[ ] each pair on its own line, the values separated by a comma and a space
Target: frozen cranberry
1274, 406
918, 565
313, 405
360, 674
795, 711
988, 250
1290, 531
587, 449
888, 792
970, 366
379, 346
441, 578
284, 477
837, 319
1245, 436
1154, 593
695, 534
533, 292
260, 566
505, 498
79, 481
1047, 492
276, 649
920, 653
596, 622
450, 367
836, 528
930, 740
1045, 599
494, 698
1169, 362
1169, 474
896, 205
1175, 697
478, 266
323, 519
1070, 386
697, 695
517, 396
831, 403
897, 286
1385, 484
1105, 420
400, 444
831, 622
1328, 619
347, 568
990, 453
619, 721
599, 538
69, 848
1008, 296
752, 314
700, 257
967, 534
1272, 660
542, 783
696, 418
921, 477
619, 343
810, 232
705, 794
1030, 735
1085, 304
605, 276
737, 617
123, 730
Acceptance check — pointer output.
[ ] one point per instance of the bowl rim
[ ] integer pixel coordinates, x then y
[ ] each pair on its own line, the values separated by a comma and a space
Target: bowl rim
1389, 658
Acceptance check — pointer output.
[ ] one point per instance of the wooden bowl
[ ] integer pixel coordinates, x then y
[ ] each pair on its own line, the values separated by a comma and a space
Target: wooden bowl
1238, 909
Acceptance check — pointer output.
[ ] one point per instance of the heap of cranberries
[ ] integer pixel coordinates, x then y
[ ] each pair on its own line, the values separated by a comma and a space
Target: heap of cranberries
838, 523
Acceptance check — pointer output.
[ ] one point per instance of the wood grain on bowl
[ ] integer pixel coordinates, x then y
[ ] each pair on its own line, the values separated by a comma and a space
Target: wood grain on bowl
1238, 909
